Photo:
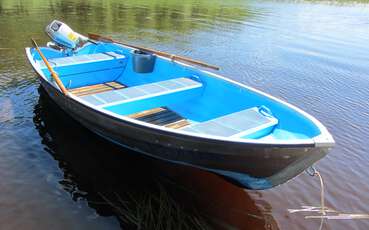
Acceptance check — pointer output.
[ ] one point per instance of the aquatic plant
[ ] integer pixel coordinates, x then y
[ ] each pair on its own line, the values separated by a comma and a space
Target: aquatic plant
153, 210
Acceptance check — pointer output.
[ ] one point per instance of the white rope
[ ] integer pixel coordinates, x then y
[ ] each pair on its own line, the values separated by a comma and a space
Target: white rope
322, 205
323, 210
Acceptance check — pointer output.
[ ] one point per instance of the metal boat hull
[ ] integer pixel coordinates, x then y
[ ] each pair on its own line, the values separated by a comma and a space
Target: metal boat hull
252, 166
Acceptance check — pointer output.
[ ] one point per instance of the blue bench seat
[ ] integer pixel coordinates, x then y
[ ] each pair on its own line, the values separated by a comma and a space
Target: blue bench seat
172, 88
87, 69
86, 62
248, 123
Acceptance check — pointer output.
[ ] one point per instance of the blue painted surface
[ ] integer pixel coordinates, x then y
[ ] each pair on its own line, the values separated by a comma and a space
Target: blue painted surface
141, 97
216, 97
245, 180
81, 70
154, 102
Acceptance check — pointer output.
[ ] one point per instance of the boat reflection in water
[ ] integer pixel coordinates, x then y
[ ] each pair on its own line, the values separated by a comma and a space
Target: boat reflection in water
138, 190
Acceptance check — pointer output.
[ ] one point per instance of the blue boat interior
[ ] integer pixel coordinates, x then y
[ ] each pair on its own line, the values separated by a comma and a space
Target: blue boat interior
104, 76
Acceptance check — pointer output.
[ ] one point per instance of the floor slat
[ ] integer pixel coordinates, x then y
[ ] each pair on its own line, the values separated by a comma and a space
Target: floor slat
98, 88
178, 124
146, 112
161, 116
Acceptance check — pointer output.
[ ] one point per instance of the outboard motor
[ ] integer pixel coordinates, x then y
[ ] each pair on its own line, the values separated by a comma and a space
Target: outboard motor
64, 36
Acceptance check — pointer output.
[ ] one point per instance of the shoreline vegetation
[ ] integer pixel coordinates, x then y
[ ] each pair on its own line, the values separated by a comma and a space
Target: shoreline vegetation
154, 210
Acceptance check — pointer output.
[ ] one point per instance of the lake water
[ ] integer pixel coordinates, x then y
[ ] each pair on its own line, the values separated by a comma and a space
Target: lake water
54, 174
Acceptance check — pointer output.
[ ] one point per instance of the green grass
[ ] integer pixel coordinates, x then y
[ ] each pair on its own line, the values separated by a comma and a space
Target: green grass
153, 210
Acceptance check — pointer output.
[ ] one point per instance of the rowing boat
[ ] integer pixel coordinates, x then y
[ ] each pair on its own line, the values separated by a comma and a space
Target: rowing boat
177, 112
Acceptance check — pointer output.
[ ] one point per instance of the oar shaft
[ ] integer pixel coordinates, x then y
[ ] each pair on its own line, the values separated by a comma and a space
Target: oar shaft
53, 74
160, 53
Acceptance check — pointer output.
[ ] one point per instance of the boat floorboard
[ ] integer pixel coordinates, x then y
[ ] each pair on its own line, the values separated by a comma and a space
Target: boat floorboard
161, 116
98, 88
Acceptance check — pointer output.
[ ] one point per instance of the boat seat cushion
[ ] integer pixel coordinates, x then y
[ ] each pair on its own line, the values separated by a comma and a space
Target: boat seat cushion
249, 123
141, 92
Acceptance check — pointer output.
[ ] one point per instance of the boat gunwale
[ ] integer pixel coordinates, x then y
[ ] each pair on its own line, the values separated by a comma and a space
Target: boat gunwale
324, 139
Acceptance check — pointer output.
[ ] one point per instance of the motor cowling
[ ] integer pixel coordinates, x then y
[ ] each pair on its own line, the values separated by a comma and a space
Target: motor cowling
63, 35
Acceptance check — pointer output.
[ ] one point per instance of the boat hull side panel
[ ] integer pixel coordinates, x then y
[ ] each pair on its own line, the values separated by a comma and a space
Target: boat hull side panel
254, 166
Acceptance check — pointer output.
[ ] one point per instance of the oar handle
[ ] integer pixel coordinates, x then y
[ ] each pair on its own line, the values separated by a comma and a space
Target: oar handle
98, 37
53, 73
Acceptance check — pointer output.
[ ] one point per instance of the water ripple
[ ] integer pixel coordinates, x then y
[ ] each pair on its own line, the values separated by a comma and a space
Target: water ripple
312, 54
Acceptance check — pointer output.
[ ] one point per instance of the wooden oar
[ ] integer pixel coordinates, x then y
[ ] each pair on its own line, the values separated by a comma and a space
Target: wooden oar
173, 57
53, 74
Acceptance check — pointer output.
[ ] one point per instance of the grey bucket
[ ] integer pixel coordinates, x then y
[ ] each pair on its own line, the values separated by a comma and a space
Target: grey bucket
143, 62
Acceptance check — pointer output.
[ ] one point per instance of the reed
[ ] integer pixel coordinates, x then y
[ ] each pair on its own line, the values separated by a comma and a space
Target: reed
153, 210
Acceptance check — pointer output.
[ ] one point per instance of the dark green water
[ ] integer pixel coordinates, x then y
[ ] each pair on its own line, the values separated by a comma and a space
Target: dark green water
54, 174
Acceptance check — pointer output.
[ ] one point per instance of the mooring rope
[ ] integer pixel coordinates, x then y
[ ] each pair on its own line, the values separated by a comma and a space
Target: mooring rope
322, 205
323, 209
313, 173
